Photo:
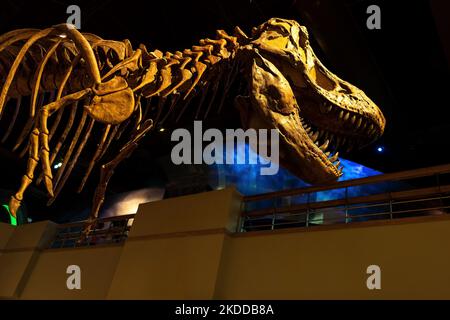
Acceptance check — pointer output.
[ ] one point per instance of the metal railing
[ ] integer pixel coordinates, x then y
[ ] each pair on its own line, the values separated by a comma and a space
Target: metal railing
412, 193
104, 231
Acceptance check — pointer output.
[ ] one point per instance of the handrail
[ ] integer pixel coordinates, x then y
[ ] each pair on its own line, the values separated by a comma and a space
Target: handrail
398, 195
101, 220
424, 198
66, 237
395, 176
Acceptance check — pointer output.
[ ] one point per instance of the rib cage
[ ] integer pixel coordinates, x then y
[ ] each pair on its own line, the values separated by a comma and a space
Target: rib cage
62, 63
108, 54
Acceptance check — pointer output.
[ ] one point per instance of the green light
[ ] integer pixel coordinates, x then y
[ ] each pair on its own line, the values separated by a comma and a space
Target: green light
11, 217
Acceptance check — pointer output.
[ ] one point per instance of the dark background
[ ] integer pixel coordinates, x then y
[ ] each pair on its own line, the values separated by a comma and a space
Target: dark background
403, 67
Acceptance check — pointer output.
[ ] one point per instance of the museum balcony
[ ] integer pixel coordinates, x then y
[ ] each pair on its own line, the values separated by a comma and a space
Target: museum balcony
223, 245
380, 198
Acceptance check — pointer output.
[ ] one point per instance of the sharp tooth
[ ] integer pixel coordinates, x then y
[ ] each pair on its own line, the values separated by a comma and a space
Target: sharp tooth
375, 130
322, 134
370, 128
341, 114
332, 138
315, 136
327, 153
347, 115
326, 107
337, 164
324, 146
363, 126
335, 157
358, 123
353, 119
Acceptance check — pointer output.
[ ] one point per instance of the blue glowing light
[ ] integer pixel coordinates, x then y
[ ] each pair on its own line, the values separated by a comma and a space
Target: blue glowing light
248, 180
380, 149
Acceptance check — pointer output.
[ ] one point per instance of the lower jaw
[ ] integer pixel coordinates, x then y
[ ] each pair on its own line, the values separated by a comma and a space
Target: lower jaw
304, 170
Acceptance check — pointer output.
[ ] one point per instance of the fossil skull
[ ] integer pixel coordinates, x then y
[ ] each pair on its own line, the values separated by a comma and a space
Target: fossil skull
315, 112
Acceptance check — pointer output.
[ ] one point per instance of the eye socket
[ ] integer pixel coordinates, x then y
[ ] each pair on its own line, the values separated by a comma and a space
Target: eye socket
345, 89
273, 36
273, 92
283, 30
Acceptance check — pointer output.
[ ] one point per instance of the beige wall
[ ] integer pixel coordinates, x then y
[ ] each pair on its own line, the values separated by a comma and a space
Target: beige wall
332, 264
48, 279
18, 256
186, 248
174, 248
6, 231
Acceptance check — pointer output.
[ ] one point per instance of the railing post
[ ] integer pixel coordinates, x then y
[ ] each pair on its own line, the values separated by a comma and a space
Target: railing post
241, 221
307, 209
438, 182
346, 204
274, 213
390, 209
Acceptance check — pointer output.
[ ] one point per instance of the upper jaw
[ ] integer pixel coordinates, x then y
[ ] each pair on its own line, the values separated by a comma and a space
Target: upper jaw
347, 117
344, 109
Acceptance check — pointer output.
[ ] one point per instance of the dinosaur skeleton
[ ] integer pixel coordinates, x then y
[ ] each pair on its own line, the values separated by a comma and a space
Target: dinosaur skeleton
90, 88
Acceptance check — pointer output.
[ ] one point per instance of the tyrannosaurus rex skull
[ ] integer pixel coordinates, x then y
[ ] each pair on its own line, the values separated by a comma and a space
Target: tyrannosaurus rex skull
315, 112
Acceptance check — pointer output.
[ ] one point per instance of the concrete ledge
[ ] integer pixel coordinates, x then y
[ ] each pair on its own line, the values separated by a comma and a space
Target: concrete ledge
20, 254
203, 211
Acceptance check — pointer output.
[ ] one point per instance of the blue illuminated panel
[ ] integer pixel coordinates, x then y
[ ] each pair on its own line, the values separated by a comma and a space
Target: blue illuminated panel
248, 180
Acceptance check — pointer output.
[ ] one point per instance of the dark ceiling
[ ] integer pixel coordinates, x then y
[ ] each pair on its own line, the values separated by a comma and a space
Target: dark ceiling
403, 67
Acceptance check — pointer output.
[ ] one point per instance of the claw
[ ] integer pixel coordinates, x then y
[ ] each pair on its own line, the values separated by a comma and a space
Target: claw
14, 205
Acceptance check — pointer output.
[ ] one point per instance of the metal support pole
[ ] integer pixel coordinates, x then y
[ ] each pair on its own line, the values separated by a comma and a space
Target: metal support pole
274, 213
307, 209
346, 204
241, 220
390, 209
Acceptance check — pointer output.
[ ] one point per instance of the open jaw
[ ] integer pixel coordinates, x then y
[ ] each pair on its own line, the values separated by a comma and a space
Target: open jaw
334, 130
317, 114
315, 124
